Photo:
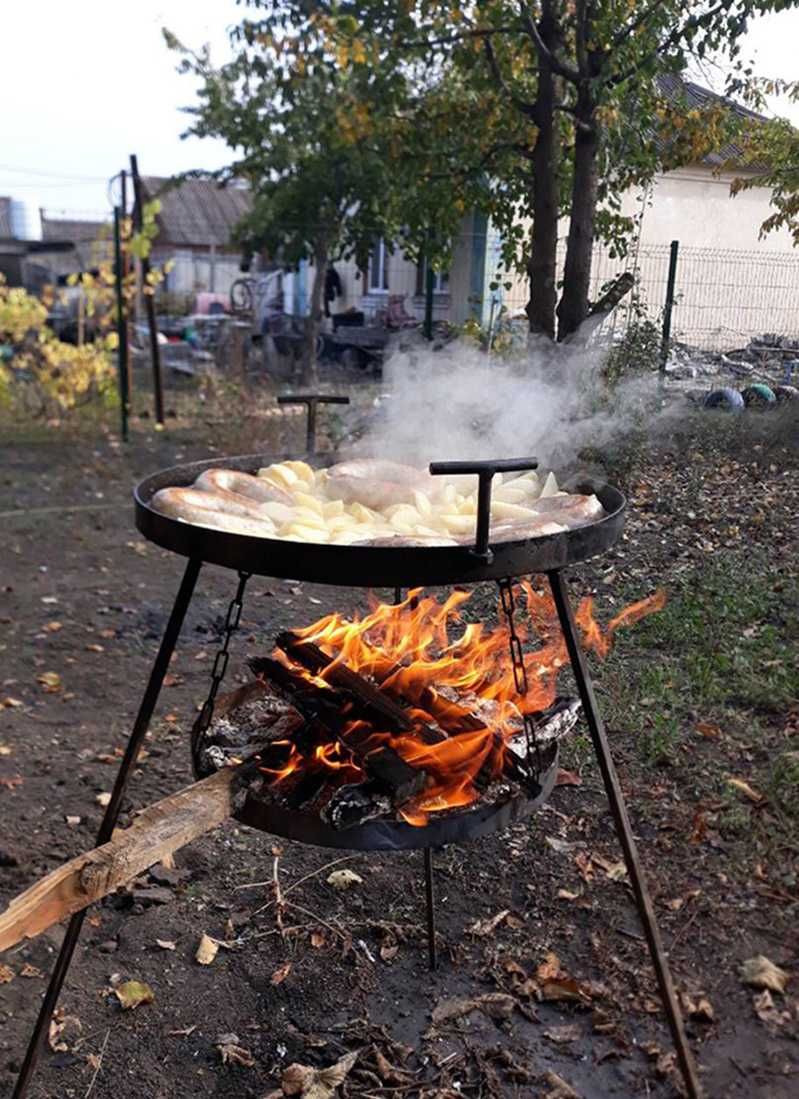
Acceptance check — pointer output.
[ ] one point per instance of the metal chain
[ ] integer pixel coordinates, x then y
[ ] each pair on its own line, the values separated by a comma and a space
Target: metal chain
219, 668
508, 600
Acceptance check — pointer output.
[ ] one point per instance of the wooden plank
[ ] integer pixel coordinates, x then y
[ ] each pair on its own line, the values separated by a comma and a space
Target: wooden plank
158, 831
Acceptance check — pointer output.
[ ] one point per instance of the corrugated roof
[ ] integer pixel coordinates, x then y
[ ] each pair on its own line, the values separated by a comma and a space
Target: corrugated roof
76, 231
197, 211
681, 92
5, 217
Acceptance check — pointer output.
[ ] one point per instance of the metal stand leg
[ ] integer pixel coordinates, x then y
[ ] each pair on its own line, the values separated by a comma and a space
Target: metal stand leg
140, 727
624, 831
431, 908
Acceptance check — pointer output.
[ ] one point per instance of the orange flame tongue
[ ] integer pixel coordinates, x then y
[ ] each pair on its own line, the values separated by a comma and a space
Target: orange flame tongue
457, 677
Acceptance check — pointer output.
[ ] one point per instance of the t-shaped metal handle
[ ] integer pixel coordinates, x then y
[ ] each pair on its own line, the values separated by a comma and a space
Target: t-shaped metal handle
485, 475
311, 401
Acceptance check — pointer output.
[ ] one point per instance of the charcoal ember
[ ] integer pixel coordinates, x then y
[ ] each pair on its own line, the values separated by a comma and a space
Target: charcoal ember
355, 804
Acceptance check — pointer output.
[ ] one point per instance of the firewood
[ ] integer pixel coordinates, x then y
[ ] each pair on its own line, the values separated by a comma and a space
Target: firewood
374, 702
337, 714
156, 832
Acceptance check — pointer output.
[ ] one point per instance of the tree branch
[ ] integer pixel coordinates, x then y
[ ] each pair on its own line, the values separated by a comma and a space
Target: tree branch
668, 42
546, 55
521, 104
629, 30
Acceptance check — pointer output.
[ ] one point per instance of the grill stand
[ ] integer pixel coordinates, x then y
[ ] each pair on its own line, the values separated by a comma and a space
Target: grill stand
624, 832
609, 777
111, 815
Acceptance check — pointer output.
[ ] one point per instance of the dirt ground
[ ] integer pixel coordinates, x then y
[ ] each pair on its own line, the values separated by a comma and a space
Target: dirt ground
704, 693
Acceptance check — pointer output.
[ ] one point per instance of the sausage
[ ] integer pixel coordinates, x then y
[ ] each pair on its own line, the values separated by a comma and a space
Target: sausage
377, 483
573, 510
207, 509
243, 484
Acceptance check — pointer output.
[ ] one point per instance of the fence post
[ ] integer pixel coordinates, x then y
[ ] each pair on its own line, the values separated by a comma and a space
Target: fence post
666, 334
122, 330
149, 304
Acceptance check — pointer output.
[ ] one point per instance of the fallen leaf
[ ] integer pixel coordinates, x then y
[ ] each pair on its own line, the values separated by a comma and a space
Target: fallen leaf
73, 822
280, 974
761, 972
752, 795
54, 627
63, 1030
699, 1008
166, 944
568, 778
497, 1005
565, 989
6, 974
344, 879
12, 782
447, 1010
50, 681
583, 863
616, 871
568, 895
568, 1032
559, 1089
103, 799
133, 994
10, 703
234, 1054
30, 971
314, 1083
207, 950
94, 648
708, 729
489, 924
318, 940
389, 951
558, 845
549, 968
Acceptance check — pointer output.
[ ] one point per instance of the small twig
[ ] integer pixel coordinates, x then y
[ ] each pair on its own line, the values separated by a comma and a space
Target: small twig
639, 938
294, 884
279, 903
99, 1064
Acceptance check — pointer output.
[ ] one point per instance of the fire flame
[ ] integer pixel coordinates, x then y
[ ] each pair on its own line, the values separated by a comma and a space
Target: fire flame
454, 675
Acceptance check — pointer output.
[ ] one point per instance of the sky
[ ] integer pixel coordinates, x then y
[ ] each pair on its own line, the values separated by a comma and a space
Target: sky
92, 81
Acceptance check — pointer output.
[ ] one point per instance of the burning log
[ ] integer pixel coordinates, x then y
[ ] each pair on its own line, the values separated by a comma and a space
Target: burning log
373, 700
158, 831
338, 716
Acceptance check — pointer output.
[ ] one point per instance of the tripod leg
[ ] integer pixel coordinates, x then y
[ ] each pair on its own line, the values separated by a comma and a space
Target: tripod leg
430, 898
135, 741
624, 831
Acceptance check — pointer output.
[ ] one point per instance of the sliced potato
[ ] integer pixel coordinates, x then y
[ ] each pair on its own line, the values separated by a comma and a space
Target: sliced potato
458, 524
304, 499
332, 508
302, 470
550, 486
364, 514
300, 533
502, 510
422, 501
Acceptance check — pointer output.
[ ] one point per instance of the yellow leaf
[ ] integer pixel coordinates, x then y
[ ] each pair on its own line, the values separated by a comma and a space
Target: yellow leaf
207, 950
134, 993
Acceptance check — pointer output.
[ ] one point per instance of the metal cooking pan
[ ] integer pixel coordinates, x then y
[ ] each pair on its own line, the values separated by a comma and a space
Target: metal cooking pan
361, 565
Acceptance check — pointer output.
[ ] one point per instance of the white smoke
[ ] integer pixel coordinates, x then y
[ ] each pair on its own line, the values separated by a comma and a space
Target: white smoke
548, 402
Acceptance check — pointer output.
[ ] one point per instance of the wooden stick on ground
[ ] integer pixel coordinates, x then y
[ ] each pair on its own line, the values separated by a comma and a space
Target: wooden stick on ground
158, 831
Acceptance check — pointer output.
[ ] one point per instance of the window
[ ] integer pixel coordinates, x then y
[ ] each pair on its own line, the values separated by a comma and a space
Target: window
440, 280
378, 268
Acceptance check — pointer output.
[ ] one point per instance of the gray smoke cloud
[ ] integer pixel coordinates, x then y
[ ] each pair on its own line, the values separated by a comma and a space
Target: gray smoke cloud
548, 401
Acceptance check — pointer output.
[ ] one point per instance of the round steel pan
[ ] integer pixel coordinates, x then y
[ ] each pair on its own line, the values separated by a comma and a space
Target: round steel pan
391, 835
366, 566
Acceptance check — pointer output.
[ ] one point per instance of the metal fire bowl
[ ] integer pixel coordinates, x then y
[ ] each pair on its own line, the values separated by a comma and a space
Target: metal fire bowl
389, 835
367, 566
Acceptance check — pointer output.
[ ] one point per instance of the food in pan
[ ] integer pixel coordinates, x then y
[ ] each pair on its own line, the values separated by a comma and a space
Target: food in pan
373, 502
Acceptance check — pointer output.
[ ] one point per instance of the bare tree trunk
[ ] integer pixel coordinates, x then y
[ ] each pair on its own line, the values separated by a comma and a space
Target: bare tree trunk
541, 266
574, 305
314, 322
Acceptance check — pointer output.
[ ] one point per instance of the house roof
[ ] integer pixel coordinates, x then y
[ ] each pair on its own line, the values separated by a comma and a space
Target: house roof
685, 93
197, 211
78, 232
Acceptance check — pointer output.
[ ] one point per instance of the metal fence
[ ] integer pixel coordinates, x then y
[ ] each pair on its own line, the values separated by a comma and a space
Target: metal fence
723, 297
